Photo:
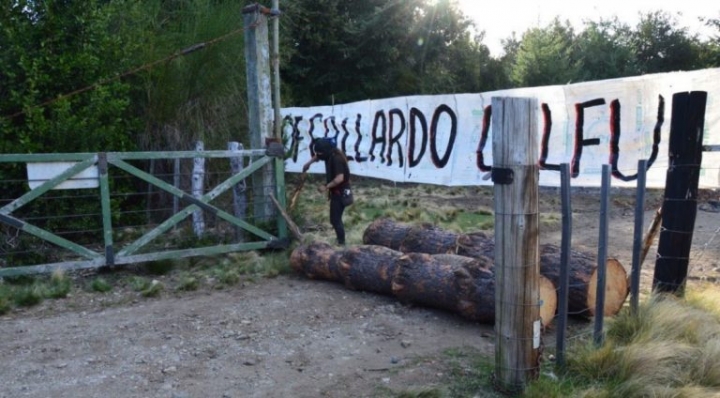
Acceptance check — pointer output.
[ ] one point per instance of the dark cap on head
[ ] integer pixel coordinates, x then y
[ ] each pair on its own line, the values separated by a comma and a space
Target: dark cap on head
323, 146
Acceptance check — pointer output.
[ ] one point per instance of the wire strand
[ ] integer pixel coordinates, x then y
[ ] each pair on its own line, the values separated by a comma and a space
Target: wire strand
177, 54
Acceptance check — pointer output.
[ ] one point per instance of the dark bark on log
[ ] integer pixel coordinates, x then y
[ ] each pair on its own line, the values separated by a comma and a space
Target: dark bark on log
428, 239
582, 286
385, 232
583, 266
369, 268
317, 261
443, 281
454, 283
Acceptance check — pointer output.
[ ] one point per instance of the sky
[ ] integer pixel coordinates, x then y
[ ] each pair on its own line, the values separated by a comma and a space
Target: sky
499, 19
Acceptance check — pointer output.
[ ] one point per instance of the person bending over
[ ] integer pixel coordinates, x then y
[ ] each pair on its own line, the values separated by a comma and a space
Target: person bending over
337, 177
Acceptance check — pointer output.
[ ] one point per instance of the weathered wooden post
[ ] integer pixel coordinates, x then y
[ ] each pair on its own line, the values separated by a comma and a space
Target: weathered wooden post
280, 161
515, 172
198, 183
679, 207
237, 163
276, 72
260, 109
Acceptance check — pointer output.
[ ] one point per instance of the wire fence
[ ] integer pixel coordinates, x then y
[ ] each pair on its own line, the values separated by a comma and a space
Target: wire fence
633, 242
167, 205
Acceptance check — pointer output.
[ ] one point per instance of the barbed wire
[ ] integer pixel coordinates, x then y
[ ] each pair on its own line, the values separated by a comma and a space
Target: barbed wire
147, 66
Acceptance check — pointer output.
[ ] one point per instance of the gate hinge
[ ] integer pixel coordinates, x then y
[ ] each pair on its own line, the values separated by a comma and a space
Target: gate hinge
275, 149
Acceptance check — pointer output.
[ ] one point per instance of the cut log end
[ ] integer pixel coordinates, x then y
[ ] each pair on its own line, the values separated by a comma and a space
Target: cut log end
616, 289
548, 300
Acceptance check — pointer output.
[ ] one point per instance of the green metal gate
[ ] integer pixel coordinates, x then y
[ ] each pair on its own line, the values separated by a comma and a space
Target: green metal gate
93, 169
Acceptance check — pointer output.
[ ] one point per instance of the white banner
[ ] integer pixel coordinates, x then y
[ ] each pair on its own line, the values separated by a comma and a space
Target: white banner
436, 139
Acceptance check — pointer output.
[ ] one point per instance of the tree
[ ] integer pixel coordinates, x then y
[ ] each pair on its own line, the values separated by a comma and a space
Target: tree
446, 58
344, 51
711, 49
605, 51
200, 95
661, 46
546, 56
51, 49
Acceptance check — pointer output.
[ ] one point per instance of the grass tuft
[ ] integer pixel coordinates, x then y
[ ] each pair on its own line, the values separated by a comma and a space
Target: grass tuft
28, 295
5, 302
153, 290
188, 283
59, 285
138, 283
100, 285
671, 348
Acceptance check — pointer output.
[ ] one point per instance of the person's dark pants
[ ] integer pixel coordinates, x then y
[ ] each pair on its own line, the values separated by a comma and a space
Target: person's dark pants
336, 211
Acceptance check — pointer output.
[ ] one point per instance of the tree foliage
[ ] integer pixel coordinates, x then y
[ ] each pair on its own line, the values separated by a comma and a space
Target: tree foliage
345, 51
52, 48
200, 95
546, 56
63, 85
605, 51
661, 46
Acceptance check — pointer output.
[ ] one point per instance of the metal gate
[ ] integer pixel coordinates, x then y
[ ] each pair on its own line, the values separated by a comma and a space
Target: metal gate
39, 238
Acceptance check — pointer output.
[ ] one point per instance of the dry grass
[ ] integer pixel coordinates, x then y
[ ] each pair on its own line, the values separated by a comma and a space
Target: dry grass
408, 204
671, 348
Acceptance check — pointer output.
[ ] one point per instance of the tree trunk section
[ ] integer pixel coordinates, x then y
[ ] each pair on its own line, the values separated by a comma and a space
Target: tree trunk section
582, 285
458, 284
385, 232
583, 267
369, 268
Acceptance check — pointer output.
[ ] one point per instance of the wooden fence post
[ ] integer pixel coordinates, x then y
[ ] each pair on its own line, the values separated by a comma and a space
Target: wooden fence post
276, 72
260, 108
198, 183
679, 207
237, 163
515, 172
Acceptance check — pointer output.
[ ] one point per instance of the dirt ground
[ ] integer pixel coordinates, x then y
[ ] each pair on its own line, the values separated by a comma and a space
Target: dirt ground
285, 336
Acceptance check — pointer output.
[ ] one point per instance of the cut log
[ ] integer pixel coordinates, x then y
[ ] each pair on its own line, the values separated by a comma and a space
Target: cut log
583, 266
582, 285
443, 281
459, 284
369, 268
385, 232
425, 238
454, 283
317, 261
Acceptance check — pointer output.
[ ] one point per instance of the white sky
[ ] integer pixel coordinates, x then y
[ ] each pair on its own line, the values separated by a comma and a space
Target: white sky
500, 18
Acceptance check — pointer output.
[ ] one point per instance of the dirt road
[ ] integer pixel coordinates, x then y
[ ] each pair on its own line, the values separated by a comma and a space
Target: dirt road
281, 337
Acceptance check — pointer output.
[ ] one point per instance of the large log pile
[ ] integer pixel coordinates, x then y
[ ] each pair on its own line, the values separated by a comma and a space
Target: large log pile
583, 266
454, 283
